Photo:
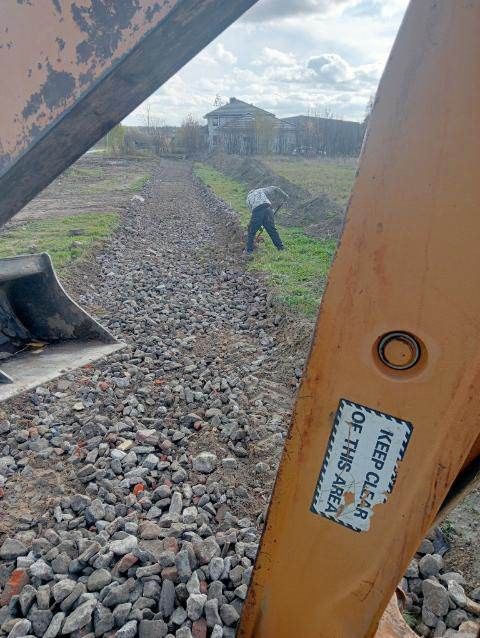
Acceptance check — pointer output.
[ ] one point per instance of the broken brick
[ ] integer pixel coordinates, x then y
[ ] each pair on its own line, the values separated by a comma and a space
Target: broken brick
17, 581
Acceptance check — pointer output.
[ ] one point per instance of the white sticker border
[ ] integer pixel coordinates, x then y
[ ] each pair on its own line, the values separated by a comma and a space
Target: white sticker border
341, 404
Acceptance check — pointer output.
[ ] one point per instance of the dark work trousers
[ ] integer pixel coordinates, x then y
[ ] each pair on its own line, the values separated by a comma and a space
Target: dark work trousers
263, 216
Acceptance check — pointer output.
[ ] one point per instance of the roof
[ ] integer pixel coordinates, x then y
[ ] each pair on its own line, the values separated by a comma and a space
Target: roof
297, 119
237, 108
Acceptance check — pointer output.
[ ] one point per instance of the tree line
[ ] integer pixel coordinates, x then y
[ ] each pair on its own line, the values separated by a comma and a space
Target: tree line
157, 138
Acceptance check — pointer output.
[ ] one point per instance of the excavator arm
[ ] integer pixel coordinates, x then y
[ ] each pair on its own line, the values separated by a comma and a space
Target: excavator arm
73, 69
386, 429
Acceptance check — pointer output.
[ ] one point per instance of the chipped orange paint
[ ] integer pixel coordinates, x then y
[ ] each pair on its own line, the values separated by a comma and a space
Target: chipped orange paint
408, 261
392, 624
70, 50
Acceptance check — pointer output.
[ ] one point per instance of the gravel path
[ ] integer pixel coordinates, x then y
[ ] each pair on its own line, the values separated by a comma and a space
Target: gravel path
132, 492
134, 489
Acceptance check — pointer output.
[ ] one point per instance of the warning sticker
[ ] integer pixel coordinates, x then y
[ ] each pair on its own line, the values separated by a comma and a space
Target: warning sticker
360, 465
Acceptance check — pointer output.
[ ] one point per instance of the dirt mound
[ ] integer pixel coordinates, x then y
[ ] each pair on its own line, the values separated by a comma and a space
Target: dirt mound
318, 216
321, 217
255, 174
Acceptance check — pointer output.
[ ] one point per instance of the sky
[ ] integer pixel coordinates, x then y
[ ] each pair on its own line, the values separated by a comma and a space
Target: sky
291, 57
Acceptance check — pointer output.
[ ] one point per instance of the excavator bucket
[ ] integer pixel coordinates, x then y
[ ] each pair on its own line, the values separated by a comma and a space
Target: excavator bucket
43, 332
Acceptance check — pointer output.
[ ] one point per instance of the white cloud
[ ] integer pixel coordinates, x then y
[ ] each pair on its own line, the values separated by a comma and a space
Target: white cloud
315, 54
273, 10
331, 68
223, 55
217, 53
295, 74
274, 56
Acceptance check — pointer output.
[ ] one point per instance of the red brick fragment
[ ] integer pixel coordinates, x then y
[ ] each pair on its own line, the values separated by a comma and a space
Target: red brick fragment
17, 581
124, 564
138, 489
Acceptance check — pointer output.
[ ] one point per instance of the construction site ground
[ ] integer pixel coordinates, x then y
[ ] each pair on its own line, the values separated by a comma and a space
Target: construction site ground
179, 433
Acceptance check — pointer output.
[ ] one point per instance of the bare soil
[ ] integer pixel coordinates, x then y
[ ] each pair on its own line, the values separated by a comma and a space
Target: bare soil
93, 183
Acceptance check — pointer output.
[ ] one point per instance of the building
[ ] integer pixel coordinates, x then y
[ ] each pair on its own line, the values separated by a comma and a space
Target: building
327, 136
239, 127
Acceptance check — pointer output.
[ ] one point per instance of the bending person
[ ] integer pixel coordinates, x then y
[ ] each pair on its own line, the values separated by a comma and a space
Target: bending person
263, 214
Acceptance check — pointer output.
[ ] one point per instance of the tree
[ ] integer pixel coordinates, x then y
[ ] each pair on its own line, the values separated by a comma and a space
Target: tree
191, 135
218, 101
158, 135
265, 133
158, 139
147, 114
116, 140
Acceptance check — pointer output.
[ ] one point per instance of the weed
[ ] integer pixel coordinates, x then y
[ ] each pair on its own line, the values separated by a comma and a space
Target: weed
409, 618
137, 185
448, 529
53, 236
298, 273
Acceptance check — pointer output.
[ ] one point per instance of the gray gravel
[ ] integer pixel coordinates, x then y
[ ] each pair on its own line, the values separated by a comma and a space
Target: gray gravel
156, 515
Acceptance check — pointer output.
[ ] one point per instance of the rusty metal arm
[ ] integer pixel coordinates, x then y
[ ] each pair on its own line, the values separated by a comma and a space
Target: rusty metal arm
71, 70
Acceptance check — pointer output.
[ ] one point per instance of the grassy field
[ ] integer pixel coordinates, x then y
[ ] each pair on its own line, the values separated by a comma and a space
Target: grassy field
100, 180
54, 236
333, 177
298, 273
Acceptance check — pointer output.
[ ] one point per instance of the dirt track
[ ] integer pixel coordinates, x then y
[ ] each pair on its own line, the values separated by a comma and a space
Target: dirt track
94, 183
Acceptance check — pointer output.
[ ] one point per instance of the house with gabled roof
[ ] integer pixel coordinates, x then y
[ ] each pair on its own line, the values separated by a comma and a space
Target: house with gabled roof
243, 128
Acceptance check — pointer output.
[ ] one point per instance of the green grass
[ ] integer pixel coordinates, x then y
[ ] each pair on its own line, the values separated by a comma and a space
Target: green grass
52, 236
230, 190
319, 175
298, 273
137, 185
448, 529
409, 618
79, 171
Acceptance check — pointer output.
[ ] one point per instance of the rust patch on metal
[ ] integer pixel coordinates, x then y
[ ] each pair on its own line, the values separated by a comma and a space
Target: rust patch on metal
151, 11
80, 41
104, 59
103, 24
54, 92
